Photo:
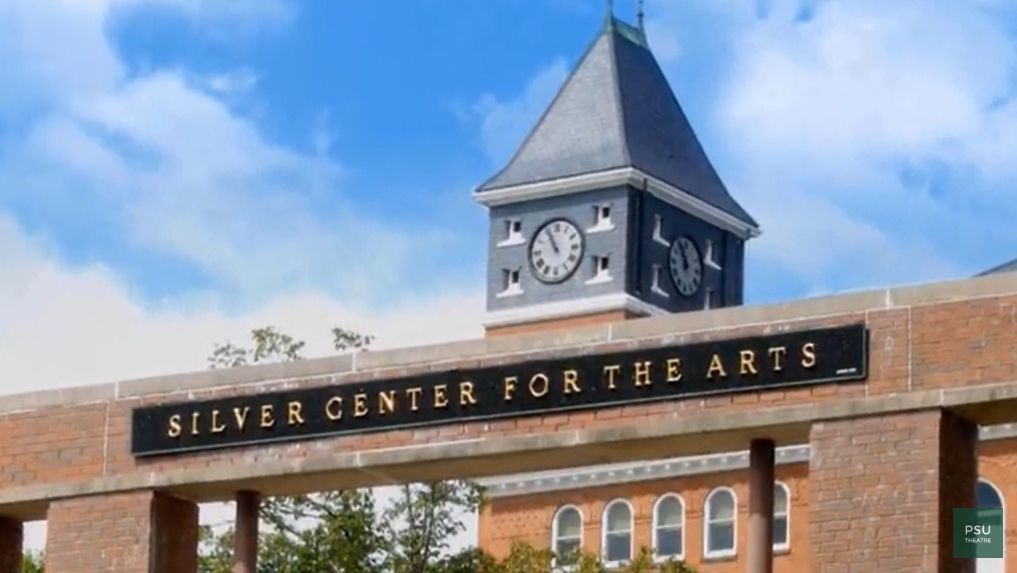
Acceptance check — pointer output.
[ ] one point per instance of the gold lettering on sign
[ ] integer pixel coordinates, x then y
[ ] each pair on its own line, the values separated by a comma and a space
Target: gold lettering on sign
747, 362
809, 355
195, 417
240, 416
440, 396
174, 429
217, 426
386, 402
334, 409
359, 405
466, 393
267, 416
777, 354
414, 394
509, 387
295, 413
716, 368
539, 385
571, 381
610, 372
674, 370
641, 373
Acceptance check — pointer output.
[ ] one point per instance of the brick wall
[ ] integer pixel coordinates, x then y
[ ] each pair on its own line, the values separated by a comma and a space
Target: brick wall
128, 533
11, 536
914, 345
529, 517
950, 345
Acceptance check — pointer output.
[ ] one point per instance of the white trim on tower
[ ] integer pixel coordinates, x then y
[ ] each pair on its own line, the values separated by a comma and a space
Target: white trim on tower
571, 308
616, 177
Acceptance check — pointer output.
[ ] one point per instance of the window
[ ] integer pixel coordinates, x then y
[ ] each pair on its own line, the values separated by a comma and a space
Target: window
617, 532
658, 231
781, 517
720, 523
567, 534
708, 257
669, 527
602, 216
513, 233
510, 284
710, 300
658, 271
601, 269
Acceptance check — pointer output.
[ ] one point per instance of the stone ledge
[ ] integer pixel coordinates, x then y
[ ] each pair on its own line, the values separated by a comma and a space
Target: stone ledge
780, 315
788, 425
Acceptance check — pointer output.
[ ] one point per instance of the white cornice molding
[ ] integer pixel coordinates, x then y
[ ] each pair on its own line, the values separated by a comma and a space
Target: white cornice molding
616, 177
571, 308
595, 476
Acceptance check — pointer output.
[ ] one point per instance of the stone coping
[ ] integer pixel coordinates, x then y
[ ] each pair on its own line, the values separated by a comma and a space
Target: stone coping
685, 323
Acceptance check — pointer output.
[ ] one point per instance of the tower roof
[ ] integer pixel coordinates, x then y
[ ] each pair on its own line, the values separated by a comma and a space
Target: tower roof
616, 110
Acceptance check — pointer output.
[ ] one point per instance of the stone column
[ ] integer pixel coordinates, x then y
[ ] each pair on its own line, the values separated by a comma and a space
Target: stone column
245, 536
882, 491
761, 484
136, 532
11, 539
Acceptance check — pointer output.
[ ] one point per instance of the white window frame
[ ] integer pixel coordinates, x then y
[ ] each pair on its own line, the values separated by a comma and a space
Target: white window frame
708, 259
604, 532
510, 287
512, 237
720, 553
658, 231
555, 537
600, 275
781, 486
656, 288
654, 544
601, 223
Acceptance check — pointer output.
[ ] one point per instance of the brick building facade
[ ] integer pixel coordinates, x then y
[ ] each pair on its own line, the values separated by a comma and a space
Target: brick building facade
537, 507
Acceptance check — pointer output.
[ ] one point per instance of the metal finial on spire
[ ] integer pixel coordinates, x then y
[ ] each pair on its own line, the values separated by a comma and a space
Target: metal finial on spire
639, 15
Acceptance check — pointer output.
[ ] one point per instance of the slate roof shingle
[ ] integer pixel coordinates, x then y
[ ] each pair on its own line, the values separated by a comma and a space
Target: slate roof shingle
617, 110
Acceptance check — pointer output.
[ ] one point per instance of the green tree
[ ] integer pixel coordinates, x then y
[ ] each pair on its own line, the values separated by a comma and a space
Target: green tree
31, 562
345, 530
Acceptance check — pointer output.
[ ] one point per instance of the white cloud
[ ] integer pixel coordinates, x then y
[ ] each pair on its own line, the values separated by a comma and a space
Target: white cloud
163, 158
61, 327
820, 115
505, 122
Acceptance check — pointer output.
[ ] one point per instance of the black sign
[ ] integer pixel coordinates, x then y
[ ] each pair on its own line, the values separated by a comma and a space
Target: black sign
517, 390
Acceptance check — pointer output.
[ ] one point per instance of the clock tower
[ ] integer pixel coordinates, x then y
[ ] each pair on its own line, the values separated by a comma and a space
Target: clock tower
610, 208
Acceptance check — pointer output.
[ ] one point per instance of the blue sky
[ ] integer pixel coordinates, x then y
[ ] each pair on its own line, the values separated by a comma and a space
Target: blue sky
174, 172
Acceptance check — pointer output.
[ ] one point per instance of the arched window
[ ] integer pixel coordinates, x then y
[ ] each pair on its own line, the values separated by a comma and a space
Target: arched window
566, 534
719, 527
669, 527
990, 505
781, 516
616, 532
987, 496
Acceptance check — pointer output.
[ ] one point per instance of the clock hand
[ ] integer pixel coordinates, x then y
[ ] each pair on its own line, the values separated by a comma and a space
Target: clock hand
554, 245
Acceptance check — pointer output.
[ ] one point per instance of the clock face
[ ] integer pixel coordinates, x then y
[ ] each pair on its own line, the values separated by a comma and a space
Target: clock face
686, 266
556, 251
